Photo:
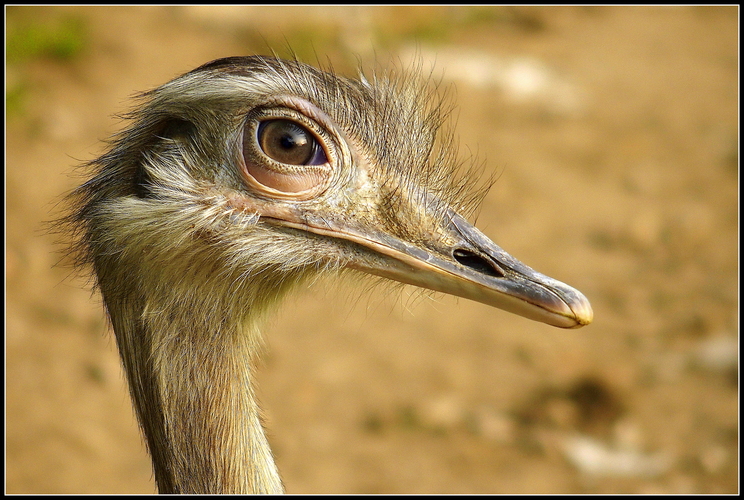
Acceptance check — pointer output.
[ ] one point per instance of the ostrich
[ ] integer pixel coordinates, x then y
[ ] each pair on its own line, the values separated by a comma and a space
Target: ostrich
236, 182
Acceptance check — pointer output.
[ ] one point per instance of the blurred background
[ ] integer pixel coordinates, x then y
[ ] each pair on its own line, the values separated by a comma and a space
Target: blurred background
614, 135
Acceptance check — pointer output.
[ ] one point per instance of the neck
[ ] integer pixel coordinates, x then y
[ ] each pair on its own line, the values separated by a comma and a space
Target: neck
185, 296
190, 375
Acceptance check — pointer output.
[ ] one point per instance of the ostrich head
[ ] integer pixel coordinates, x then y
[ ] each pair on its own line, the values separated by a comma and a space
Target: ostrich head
241, 179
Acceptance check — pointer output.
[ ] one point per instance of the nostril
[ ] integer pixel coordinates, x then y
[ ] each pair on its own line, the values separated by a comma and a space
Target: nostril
477, 263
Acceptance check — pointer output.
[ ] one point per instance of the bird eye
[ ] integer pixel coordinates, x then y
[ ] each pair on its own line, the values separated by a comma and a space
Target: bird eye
282, 158
290, 143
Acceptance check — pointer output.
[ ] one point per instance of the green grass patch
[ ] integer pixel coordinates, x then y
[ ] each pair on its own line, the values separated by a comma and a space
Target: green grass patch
61, 39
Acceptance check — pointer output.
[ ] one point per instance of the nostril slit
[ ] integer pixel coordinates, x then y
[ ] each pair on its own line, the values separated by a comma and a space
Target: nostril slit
477, 263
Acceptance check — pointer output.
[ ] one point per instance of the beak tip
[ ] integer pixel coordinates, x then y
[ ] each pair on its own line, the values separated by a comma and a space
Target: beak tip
583, 312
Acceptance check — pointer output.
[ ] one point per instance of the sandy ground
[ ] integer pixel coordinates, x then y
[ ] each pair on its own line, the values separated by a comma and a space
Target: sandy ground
614, 132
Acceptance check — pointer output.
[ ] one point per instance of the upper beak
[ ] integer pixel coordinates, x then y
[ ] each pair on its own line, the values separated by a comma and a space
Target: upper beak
473, 267
476, 268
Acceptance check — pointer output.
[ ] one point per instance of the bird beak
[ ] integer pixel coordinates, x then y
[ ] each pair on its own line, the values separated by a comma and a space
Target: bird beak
476, 268
470, 266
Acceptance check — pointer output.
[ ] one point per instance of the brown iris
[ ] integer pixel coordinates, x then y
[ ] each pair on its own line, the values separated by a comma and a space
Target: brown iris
288, 142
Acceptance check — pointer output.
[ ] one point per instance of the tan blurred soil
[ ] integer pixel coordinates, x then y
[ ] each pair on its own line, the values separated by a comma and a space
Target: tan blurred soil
614, 132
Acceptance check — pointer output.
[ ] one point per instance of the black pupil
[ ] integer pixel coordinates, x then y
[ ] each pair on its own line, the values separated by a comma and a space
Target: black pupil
287, 142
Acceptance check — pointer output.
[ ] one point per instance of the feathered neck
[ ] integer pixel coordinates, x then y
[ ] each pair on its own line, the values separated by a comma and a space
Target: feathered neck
188, 349
193, 391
